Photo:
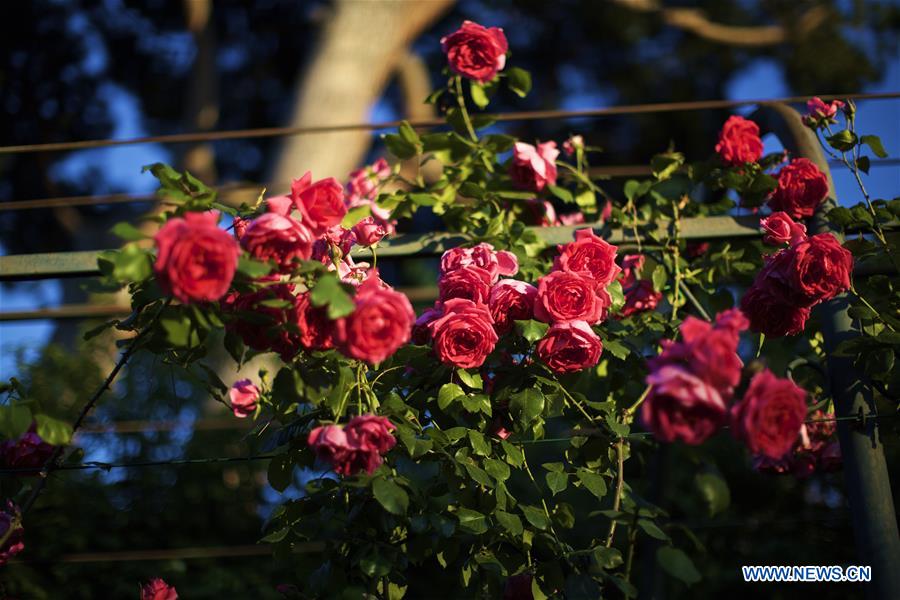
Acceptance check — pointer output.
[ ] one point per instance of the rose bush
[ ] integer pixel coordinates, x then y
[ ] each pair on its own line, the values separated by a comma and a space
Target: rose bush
480, 447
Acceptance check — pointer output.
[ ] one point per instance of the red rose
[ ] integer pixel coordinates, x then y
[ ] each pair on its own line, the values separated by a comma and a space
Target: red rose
263, 328
321, 204
370, 433
381, 323
330, 445
569, 347
420, 332
533, 168
483, 256
770, 313
802, 187
278, 236
819, 269
244, 396
681, 406
632, 265
472, 283
739, 141
476, 52
239, 226
640, 298
564, 296
591, 253
364, 182
157, 589
696, 249
770, 415
781, 229
464, 334
29, 451
368, 232
511, 300
195, 260
13, 543
317, 331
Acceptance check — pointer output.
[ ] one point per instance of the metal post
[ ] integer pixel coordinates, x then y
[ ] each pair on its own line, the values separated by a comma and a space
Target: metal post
865, 470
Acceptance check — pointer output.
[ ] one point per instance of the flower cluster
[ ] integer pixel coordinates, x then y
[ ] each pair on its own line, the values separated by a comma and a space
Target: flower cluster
794, 279
362, 190
28, 451
820, 113
691, 381
11, 532
357, 446
157, 589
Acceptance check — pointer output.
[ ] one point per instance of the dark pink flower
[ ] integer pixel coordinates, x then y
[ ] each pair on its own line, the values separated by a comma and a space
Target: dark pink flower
475, 51
569, 347
591, 254
464, 333
781, 229
739, 141
534, 168
570, 296
511, 300
681, 406
244, 397
802, 187
769, 416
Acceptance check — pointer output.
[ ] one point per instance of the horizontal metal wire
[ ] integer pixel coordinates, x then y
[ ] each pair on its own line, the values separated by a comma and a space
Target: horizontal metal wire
192, 553
268, 132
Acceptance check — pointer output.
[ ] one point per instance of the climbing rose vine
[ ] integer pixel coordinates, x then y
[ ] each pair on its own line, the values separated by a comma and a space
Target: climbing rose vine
477, 444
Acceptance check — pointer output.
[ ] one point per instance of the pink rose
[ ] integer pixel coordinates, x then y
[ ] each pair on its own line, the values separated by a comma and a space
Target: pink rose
370, 433
321, 204
381, 323
364, 182
464, 334
571, 219
157, 589
589, 253
420, 332
569, 347
244, 396
317, 331
739, 141
802, 187
195, 260
483, 256
564, 296
820, 113
29, 451
278, 236
574, 143
330, 444
263, 328
368, 232
640, 298
511, 300
681, 406
632, 265
770, 415
471, 282
239, 226
819, 269
533, 168
781, 229
696, 249
476, 52
13, 544
770, 313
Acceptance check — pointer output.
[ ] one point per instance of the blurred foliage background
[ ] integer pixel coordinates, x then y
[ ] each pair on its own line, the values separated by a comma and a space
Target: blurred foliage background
80, 69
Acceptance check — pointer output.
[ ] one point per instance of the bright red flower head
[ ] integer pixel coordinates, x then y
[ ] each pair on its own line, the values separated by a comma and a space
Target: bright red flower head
511, 300
802, 187
591, 254
570, 296
321, 204
739, 141
464, 333
380, 324
770, 415
534, 168
475, 51
569, 347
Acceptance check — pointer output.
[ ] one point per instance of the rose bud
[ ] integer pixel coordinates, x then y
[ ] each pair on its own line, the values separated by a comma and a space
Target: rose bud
368, 232
244, 396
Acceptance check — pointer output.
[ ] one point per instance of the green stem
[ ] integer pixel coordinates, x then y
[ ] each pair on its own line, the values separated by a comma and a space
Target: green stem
629, 412
540, 493
620, 483
461, 102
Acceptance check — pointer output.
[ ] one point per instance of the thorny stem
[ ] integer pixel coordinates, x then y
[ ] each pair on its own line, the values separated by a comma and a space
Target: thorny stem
461, 102
676, 258
637, 403
620, 483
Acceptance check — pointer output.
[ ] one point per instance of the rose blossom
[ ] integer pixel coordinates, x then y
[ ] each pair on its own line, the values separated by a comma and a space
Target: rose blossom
464, 334
267, 330
770, 313
380, 324
195, 260
321, 204
819, 112
420, 332
696, 249
801, 189
330, 444
157, 589
571, 219
781, 229
370, 433
819, 269
739, 141
368, 232
591, 253
563, 296
639, 298
244, 396
356, 447
483, 255
471, 282
317, 331
569, 347
770, 415
29, 451
571, 145
632, 265
511, 300
13, 544
475, 51
681, 406
363, 183
278, 236
533, 168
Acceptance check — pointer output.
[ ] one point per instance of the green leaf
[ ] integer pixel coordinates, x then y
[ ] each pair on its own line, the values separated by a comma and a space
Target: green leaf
391, 496
329, 291
863, 163
499, 470
281, 471
131, 264
659, 278
526, 406
531, 330
408, 134
479, 445
664, 165
874, 142
593, 482
448, 393
714, 490
509, 522
128, 232
178, 330
276, 536
473, 380
15, 419
535, 516
472, 521
561, 193
616, 348
479, 96
514, 455
53, 431
651, 529
519, 81
607, 558
677, 564
843, 140
355, 215
252, 268
479, 475
557, 482
398, 146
